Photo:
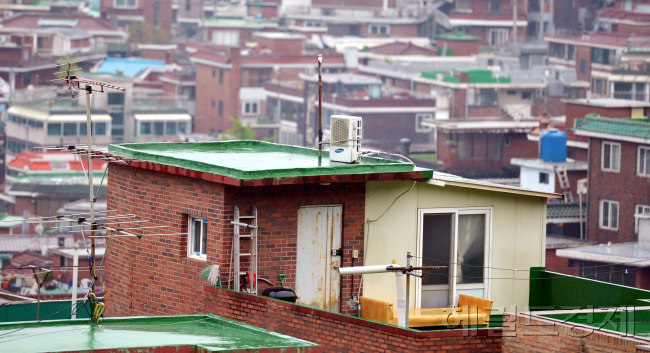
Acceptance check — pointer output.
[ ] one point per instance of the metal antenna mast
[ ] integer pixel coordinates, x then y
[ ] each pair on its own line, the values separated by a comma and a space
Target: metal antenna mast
90, 86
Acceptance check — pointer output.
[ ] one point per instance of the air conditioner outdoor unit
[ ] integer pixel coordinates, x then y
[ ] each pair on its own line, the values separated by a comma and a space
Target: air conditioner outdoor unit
345, 141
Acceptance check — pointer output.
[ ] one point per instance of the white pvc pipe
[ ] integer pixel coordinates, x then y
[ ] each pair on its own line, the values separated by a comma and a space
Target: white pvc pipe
361, 270
401, 299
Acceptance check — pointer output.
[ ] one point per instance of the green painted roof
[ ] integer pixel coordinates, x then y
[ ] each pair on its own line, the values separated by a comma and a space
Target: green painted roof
474, 75
204, 333
458, 37
639, 128
9, 221
246, 160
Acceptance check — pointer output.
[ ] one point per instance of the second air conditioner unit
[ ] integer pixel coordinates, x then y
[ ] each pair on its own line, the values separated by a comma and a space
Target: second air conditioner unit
345, 141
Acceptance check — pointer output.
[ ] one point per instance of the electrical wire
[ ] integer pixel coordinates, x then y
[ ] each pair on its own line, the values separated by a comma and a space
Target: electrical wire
518, 270
368, 221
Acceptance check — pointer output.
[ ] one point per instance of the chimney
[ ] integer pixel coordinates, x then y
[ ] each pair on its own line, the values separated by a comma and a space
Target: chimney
405, 146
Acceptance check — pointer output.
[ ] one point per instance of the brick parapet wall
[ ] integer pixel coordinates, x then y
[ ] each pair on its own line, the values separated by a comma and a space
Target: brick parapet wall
343, 333
523, 332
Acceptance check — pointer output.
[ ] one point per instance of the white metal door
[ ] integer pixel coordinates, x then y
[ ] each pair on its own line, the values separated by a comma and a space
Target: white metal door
319, 232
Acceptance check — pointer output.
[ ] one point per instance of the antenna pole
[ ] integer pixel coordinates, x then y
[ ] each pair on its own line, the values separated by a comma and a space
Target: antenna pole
320, 109
93, 226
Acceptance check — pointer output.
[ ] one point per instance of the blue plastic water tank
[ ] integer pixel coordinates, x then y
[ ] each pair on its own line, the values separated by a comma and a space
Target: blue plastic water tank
552, 146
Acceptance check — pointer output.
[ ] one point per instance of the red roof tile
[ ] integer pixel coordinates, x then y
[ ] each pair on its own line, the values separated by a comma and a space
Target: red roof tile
31, 21
402, 48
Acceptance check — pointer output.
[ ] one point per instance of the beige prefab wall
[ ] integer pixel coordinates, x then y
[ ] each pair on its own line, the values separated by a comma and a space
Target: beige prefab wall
517, 235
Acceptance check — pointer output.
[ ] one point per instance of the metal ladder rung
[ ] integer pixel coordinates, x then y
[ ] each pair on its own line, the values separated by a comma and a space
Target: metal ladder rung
250, 245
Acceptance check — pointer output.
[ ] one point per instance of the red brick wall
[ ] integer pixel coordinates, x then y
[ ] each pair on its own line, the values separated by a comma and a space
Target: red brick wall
207, 118
583, 53
284, 46
154, 276
624, 187
342, 333
385, 130
460, 48
623, 29
578, 111
523, 333
561, 264
520, 147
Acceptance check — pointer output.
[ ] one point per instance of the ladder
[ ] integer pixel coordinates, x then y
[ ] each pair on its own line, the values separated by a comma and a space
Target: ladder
250, 223
564, 183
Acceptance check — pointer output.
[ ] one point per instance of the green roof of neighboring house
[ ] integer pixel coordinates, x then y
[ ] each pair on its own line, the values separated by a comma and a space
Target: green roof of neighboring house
204, 333
474, 75
458, 37
630, 128
256, 160
10, 221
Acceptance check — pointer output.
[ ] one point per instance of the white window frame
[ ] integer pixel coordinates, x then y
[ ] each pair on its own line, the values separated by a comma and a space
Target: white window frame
126, 4
639, 210
251, 104
613, 167
601, 220
202, 254
502, 34
452, 286
376, 29
418, 122
643, 168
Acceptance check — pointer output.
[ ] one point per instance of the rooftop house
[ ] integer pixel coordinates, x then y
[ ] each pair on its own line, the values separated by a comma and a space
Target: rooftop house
367, 19
552, 171
234, 31
282, 190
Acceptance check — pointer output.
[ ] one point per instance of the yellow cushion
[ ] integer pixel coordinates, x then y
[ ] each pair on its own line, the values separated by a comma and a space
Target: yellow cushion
471, 311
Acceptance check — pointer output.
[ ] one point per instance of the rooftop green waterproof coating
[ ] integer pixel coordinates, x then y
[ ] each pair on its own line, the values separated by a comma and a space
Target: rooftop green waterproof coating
245, 160
209, 332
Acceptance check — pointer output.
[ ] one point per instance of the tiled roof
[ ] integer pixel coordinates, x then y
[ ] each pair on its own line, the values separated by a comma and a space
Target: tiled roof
32, 21
565, 210
402, 48
635, 128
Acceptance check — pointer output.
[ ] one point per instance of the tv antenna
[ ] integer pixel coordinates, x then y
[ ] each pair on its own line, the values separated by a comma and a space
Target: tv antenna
75, 83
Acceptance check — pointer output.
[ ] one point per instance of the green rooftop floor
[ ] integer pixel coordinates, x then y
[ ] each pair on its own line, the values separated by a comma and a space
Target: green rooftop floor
208, 332
245, 160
